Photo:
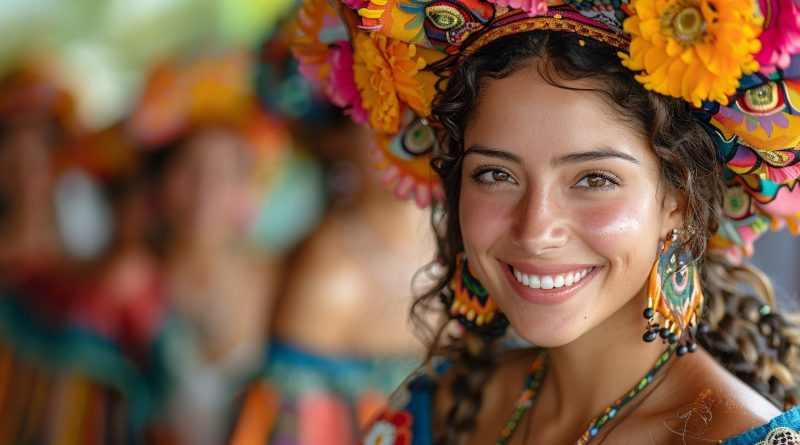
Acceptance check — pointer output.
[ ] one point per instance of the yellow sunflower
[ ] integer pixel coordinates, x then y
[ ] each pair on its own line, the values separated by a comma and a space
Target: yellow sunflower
693, 49
389, 76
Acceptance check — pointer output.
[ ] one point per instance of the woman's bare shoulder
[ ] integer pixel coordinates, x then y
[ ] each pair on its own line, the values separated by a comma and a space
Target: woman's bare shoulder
710, 403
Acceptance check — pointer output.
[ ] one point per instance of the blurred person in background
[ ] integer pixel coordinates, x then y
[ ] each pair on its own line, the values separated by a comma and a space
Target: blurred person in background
78, 340
36, 118
212, 152
327, 371
121, 295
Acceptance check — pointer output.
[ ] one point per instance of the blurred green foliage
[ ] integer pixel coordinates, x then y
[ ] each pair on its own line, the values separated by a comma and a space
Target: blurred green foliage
102, 48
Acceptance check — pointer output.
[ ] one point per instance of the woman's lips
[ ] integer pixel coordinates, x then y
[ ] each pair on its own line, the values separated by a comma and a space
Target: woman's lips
548, 285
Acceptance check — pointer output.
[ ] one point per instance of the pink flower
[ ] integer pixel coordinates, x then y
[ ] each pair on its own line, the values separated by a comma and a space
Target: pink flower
532, 7
781, 36
341, 86
356, 4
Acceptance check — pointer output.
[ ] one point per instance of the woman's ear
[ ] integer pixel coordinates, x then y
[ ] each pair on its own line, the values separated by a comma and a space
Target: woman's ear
673, 210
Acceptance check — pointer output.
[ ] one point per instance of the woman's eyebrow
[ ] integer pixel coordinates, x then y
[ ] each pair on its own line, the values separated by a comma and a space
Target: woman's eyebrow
592, 155
493, 153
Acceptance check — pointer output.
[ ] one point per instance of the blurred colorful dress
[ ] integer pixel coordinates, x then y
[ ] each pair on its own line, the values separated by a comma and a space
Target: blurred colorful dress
75, 368
307, 398
81, 343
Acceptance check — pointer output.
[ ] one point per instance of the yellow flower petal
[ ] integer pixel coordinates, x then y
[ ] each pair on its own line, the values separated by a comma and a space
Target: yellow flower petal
389, 77
694, 49
649, 28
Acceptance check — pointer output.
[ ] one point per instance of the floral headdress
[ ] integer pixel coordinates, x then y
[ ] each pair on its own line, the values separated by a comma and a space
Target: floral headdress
31, 90
282, 90
210, 88
734, 61
102, 154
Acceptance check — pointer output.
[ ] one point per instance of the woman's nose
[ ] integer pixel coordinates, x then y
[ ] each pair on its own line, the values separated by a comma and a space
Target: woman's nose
540, 222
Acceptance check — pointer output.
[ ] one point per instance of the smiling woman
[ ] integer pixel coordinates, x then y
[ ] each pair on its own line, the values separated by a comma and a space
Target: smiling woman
600, 183
551, 205
562, 228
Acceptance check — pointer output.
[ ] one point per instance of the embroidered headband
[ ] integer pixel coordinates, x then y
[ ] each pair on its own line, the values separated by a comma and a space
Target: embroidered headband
734, 61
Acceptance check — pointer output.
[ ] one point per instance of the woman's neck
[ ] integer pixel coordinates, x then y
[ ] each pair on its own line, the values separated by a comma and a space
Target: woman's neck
200, 246
199, 257
601, 366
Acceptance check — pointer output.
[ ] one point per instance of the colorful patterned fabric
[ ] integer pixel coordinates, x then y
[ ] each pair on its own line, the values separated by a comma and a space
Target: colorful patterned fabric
784, 429
407, 420
758, 135
67, 377
385, 61
305, 398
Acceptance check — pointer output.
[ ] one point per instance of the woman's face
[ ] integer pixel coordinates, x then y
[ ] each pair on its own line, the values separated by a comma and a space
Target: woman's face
25, 153
562, 208
206, 189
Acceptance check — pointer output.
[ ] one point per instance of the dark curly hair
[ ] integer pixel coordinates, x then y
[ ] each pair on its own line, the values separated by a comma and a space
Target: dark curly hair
758, 346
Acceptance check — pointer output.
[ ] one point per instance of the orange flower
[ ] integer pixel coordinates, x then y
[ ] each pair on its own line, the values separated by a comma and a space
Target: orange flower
694, 49
389, 77
307, 45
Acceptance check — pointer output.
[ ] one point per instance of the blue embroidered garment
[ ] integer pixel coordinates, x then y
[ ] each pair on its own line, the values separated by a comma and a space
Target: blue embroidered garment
784, 429
407, 421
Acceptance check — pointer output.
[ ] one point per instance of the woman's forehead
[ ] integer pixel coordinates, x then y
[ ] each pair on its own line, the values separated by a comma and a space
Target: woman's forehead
524, 111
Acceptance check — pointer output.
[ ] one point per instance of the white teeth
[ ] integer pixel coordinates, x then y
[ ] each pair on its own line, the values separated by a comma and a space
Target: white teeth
551, 281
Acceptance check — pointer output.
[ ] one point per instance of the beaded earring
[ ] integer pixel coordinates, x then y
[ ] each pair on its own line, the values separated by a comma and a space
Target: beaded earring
675, 297
471, 305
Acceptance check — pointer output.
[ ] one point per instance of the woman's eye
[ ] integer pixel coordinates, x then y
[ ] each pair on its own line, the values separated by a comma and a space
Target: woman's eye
495, 176
597, 181
492, 176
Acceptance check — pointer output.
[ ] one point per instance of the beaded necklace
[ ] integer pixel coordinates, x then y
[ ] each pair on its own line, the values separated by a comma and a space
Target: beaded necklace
534, 382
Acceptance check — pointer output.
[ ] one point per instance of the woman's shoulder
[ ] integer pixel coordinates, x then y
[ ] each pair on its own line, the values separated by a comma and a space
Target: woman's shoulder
417, 409
725, 407
783, 429
407, 418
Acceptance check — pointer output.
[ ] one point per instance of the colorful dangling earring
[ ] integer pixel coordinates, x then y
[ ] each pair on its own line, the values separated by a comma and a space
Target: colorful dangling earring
471, 305
675, 297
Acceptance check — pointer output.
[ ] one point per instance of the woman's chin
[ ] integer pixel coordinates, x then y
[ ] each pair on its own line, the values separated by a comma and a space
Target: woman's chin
547, 335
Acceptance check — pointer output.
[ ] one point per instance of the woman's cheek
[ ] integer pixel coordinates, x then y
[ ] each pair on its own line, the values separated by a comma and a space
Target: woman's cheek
483, 215
610, 227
